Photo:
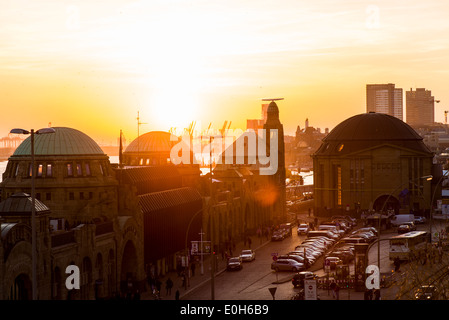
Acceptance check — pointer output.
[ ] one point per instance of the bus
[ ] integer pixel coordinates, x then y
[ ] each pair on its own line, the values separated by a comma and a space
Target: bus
405, 245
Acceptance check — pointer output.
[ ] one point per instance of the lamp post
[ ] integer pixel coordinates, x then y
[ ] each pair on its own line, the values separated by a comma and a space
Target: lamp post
431, 203
33, 204
187, 248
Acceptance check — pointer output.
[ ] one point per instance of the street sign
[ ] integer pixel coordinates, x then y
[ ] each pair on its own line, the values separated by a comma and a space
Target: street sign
310, 290
196, 247
327, 266
275, 256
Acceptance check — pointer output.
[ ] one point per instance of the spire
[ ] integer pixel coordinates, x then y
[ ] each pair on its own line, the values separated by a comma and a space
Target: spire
120, 151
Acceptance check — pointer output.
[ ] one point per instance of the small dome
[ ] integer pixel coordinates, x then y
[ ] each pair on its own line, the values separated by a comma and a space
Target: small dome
65, 141
154, 141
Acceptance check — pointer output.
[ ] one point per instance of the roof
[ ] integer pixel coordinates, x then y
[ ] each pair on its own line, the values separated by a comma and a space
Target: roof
154, 141
370, 130
144, 174
273, 110
65, 141
170, 198
372, 126
21, 203
151, 178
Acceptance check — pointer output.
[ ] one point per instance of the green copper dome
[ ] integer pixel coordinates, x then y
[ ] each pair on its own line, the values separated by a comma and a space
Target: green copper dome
65, 141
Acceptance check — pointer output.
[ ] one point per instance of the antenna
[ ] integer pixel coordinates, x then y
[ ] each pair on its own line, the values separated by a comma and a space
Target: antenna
138, 135
272, 99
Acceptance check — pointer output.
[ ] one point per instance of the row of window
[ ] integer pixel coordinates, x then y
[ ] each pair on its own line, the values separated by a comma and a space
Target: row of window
46, 170
47, 196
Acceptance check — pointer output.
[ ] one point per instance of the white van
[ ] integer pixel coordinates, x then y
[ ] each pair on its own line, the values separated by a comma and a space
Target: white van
399, 219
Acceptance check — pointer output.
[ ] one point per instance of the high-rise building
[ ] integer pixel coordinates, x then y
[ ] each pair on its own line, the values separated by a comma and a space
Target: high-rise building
420, 107
384, 98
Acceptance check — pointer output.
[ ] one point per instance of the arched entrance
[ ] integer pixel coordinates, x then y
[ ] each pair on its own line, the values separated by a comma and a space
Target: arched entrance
112, 290
387, 202
128, 275
21, 290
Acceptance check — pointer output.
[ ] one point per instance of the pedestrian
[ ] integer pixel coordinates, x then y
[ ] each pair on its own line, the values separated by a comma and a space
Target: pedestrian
366, 295
337, 292
183, 276
177, 294
397, 264
249, 242
377, 294
158, 285
168, 286
332, 287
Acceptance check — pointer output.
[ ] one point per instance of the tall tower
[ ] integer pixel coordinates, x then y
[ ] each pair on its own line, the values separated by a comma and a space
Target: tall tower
384, 98
278, 179
420, 107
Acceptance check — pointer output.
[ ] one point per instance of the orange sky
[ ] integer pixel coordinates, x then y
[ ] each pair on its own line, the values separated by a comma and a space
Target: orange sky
92, 65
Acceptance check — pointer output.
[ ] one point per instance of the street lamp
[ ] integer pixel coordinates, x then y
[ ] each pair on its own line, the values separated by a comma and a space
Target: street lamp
33, 203
187, 248
431, 202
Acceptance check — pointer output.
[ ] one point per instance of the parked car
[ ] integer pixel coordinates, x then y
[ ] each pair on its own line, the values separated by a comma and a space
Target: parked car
368, 236
286, 229
332, 262
303, 228
310, 259
404, 228
287, 265
248, 255
420, 220
234, 263
353, 240
298, 278
345, 255
411, 224
297, 258
370, 229
278, 235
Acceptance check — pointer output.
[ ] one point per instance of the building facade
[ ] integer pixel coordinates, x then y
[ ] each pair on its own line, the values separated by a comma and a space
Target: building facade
372, 161
420, 107
80, 223
384, 98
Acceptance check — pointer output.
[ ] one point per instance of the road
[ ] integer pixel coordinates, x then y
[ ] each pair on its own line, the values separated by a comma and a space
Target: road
256, 277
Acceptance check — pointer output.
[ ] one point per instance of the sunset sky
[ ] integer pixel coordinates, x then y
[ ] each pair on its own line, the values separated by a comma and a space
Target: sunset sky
92, 65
